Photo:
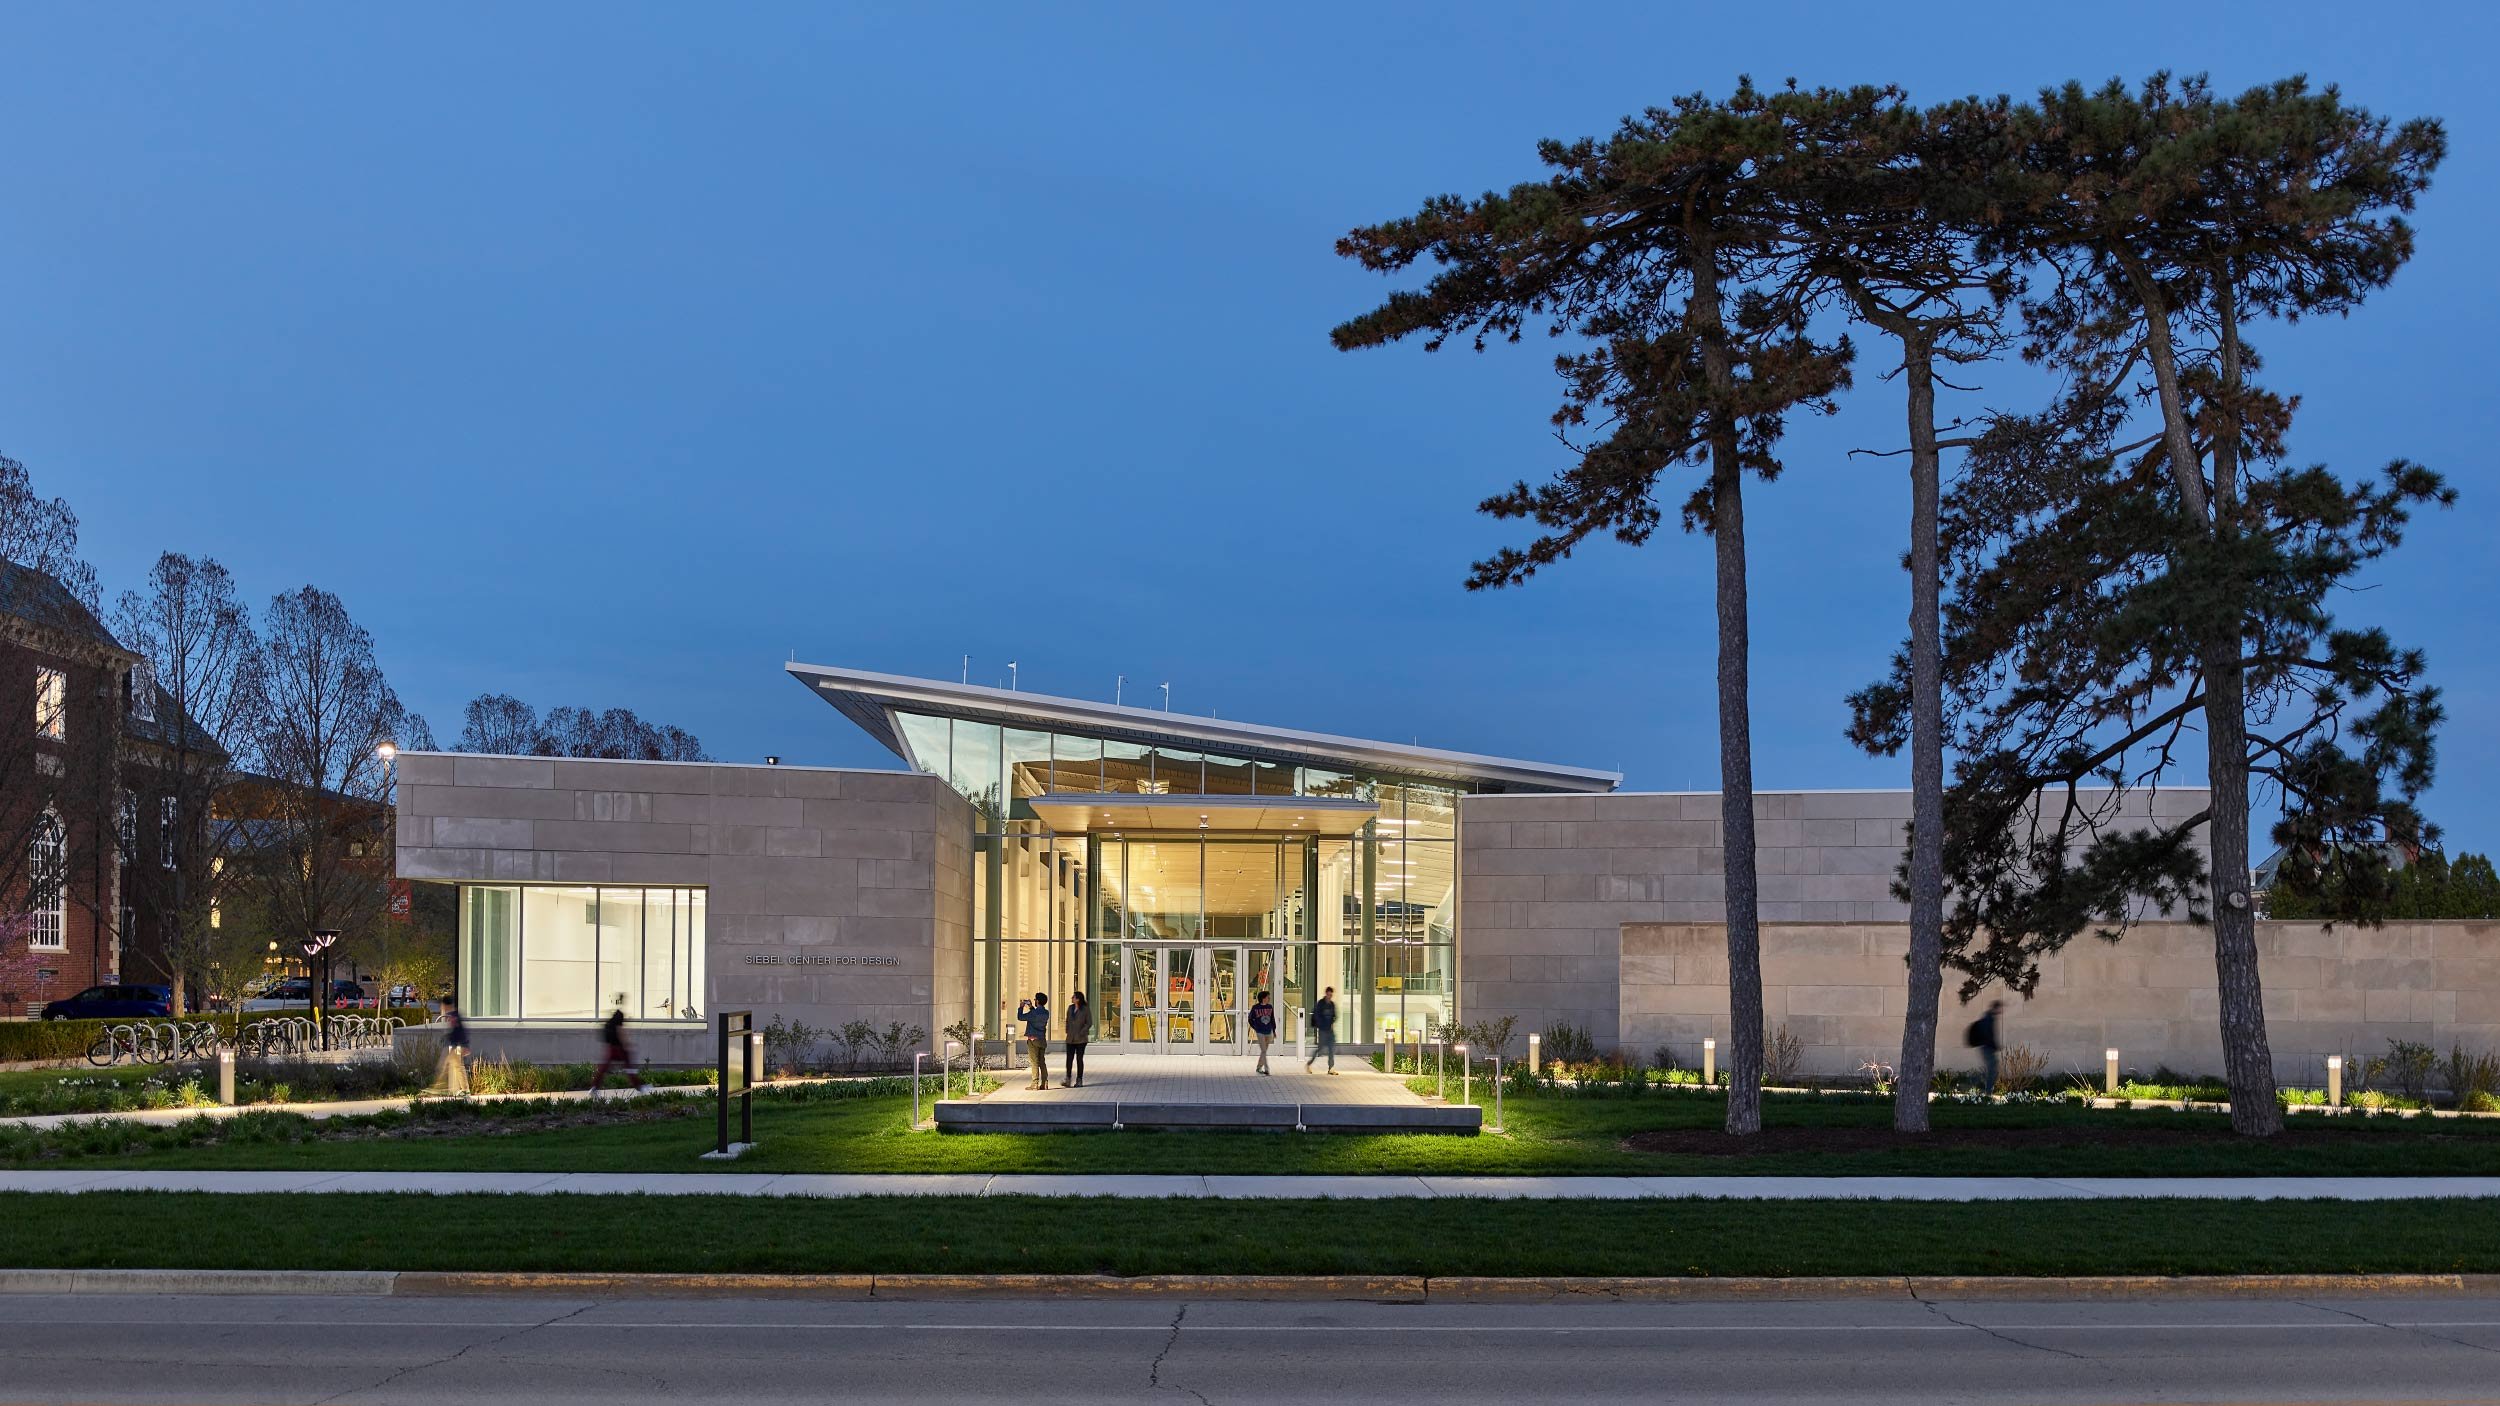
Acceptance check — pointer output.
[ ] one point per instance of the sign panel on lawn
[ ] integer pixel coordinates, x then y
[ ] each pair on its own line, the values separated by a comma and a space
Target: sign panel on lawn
737, 1075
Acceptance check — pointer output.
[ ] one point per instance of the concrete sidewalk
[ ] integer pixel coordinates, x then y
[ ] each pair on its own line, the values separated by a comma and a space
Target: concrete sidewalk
1267, 1187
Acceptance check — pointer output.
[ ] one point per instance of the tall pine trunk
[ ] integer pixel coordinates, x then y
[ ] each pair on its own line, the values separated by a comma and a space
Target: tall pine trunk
2211, 513
1926, 961
1736, 833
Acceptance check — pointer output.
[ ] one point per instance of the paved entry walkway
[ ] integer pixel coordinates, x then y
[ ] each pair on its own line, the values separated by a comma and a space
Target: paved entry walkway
1229, 1080
1272, 1187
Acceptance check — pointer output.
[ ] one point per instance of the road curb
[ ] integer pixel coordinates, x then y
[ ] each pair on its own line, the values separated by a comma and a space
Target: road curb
1274, 1288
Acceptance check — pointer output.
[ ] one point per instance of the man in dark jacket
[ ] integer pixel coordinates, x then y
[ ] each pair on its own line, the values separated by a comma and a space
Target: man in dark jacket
1983, 1034
1323, 1030
1036, 1017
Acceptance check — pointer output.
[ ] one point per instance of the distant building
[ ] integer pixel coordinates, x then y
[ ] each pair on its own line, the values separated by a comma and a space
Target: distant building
84, 730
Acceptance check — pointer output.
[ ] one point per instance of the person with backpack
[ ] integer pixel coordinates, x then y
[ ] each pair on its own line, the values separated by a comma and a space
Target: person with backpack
1263, 1025
1036, 1017
1982, 1036
1323, 1030
613, 1052
1080, 1029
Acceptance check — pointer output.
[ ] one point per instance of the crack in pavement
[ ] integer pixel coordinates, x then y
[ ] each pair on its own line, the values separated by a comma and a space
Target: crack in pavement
2395, 1327
1154, 1371
1938, 1310
517, 1330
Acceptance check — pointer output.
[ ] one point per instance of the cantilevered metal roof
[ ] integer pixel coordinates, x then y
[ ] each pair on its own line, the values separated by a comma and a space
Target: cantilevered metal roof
871, 700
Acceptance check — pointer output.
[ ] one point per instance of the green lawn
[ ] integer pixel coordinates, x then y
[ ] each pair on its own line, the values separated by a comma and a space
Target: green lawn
827, 1132
1036, 1235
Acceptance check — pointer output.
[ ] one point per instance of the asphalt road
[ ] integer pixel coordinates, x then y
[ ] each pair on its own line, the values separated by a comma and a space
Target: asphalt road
547, 1351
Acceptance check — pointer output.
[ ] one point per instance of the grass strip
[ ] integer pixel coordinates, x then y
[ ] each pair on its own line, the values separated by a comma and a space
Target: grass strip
717, 1234
866, 1128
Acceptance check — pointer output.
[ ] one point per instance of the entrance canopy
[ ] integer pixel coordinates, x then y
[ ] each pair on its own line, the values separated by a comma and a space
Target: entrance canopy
1078, 814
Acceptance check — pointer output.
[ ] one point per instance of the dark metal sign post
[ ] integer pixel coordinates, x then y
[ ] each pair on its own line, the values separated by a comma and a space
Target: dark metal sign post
737, 1078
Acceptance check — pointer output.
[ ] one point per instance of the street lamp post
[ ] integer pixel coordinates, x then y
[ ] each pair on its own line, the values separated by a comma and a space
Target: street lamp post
389, 753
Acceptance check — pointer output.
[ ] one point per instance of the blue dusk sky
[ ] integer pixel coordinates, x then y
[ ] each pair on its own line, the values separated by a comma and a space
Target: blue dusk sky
612, 354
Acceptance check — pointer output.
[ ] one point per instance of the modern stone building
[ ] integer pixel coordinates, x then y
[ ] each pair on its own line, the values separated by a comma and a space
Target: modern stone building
1171, 866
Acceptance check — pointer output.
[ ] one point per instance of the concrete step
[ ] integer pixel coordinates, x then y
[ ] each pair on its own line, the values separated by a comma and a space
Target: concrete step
985, 1116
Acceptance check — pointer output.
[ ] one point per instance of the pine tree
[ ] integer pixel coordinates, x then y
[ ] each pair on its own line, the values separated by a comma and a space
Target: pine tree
1886, 203
2117, 584
1662, 247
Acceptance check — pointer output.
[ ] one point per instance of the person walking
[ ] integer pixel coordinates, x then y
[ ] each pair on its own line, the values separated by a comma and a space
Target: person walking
1323, 1030
1263, 1025
454, 1075
1080, 1030
1036, 1017
614, 1054
1983, 1037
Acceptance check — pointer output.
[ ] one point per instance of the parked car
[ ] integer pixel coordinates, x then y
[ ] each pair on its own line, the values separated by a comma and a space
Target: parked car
294, 993
114, 1003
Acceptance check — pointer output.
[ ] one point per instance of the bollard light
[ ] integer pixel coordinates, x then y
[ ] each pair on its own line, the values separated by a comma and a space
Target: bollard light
1709, 1063
225, 1077
945, 1066
1441, 1072
2109, 1071
755, 1058
1497, 1093
917, 1056
2334, 1081
1536, 1050
1466, 1075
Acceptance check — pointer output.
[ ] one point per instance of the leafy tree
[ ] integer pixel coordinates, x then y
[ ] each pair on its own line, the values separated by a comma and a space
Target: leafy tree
1661, 249
2429, 887
2116, 583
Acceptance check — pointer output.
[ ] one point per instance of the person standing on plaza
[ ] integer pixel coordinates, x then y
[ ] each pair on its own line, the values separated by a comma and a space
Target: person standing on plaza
613, 1051
1323, 1030
1983, 1037
1036, 1017
454, 1075
1080, 1030
1263, 1025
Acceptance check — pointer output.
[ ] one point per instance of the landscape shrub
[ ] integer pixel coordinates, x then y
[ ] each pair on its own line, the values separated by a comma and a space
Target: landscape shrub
1565, 1043
1663, 1059
2019, 1067
2409, 1067
1782, 1055
2470, 1075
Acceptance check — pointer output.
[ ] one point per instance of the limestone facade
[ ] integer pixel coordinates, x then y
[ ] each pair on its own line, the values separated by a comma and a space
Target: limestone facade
861, 866
1838, 988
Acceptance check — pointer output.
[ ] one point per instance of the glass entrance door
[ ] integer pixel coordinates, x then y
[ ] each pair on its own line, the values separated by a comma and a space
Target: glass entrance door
1195, 999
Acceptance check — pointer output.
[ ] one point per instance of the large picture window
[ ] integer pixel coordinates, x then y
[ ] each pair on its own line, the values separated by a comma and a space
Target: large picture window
48, 875
576, 952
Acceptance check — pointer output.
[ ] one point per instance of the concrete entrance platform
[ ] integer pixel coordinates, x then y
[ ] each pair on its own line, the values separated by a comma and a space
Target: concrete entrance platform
1208, 1092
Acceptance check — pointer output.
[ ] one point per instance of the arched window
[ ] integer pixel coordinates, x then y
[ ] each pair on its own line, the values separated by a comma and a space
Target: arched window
48, 895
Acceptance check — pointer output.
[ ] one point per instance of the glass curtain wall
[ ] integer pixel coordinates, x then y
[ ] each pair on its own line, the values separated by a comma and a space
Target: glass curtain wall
562, 952
1375, 915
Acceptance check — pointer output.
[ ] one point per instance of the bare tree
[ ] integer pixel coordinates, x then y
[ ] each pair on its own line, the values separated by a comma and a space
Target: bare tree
42, 533
197, 685
317, 822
